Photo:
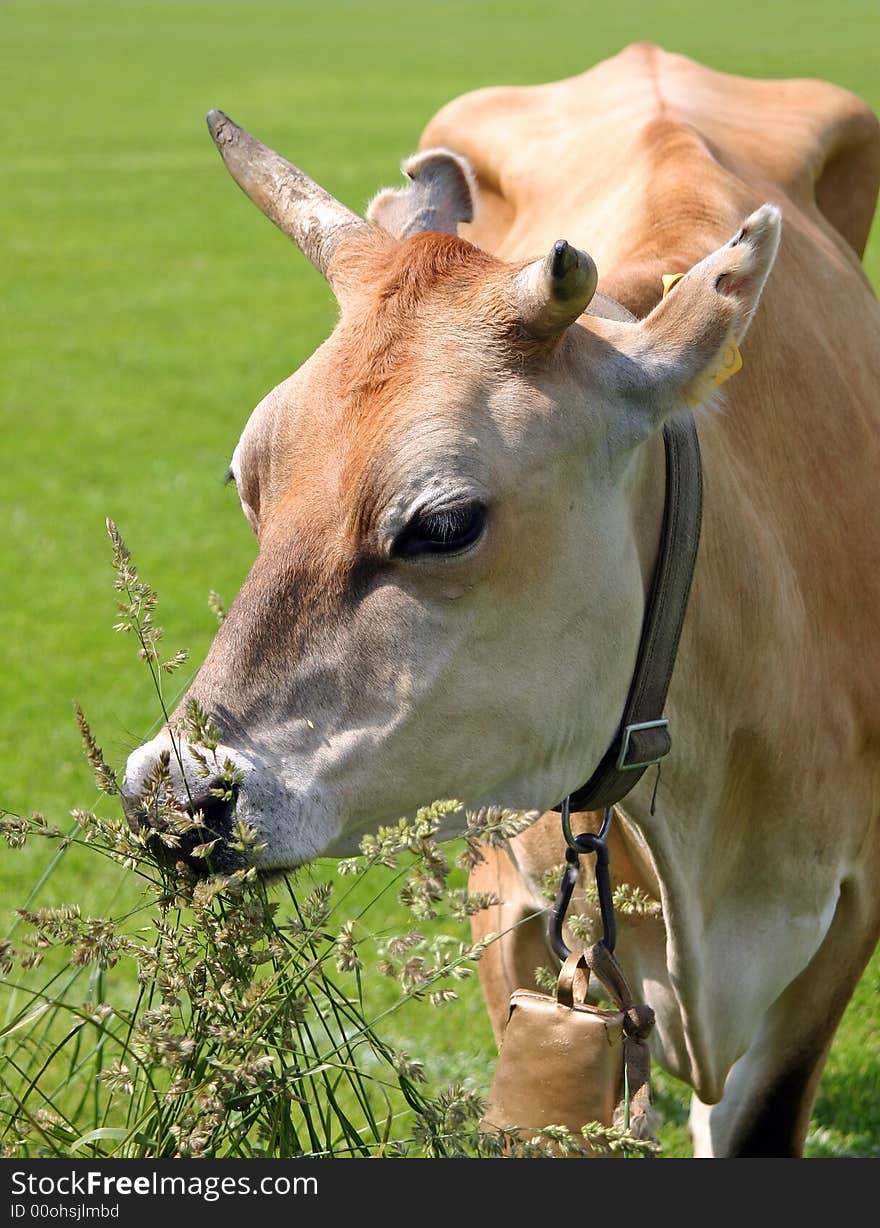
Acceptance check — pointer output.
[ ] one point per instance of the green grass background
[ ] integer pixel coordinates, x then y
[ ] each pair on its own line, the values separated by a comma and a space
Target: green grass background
147, 307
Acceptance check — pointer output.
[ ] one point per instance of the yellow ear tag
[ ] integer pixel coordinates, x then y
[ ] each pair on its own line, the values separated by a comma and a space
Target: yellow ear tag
730, 360
669, 280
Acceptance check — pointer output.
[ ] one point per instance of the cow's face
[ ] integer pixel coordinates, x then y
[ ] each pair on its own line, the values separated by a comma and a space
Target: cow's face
448, 594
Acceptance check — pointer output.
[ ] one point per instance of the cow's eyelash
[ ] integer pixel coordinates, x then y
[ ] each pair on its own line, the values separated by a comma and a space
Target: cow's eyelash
228, 477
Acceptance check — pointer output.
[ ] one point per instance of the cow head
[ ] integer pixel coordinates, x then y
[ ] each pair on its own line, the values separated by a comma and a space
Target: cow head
447, 595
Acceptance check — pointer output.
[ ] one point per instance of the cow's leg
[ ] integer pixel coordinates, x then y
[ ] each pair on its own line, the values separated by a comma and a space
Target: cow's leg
769, 1094
509, 963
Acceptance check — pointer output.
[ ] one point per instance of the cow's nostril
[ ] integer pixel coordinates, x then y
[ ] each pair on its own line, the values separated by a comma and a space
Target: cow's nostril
212, 804
216, 806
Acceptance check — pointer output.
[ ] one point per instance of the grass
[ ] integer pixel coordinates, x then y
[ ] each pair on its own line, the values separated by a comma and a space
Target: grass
148, 307
250, 1034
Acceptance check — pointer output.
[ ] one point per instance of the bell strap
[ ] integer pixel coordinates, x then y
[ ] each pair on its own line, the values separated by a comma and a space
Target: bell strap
638, 1020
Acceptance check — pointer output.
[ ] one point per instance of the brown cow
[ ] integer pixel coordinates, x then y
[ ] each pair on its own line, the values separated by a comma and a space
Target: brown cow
458, 501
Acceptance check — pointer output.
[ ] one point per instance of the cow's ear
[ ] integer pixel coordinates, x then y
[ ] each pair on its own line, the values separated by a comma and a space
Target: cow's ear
441, 193
689, 344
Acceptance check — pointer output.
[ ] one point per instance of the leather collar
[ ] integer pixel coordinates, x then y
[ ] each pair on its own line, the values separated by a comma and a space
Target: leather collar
643, 736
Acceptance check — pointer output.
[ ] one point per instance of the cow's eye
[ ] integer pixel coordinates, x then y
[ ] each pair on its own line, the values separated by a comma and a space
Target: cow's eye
449, 531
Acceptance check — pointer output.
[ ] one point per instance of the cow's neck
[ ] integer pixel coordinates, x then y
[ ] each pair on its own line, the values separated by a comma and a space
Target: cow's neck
709, 846
671, 827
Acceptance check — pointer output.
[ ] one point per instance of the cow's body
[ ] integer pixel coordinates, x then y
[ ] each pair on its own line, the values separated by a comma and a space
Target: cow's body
764, 845
458, 502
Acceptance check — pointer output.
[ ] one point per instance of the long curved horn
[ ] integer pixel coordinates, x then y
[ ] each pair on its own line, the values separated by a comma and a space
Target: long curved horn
550, 294
314, 219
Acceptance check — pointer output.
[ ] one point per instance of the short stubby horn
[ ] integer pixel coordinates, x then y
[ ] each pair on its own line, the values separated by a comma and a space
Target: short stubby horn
314, 219
550, 294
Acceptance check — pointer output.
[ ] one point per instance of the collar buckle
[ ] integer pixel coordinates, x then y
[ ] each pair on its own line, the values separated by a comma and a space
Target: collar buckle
631, 765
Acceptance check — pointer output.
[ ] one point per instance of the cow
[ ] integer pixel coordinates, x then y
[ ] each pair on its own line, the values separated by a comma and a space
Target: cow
458, 500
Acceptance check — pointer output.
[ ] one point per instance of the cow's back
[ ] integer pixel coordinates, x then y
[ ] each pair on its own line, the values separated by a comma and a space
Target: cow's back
590, 154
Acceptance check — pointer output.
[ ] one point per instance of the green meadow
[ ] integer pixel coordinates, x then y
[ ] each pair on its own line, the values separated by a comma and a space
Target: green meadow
147, 307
